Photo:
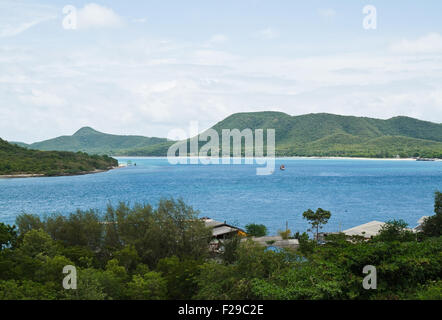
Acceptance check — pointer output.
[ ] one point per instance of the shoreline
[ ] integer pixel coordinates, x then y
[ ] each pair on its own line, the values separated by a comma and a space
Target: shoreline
284, 158
40, 175
122, 165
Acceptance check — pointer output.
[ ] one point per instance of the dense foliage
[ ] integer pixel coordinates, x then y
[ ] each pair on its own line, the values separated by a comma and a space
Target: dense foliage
432, 226
162, 253
17, 160
256, 230
127, 253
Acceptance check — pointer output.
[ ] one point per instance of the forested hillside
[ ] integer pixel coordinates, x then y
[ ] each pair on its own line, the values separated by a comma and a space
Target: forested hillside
334, 135
18, 160
94, 142
318, 134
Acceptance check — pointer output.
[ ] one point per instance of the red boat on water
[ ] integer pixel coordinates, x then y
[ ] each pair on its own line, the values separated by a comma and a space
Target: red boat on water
282, 167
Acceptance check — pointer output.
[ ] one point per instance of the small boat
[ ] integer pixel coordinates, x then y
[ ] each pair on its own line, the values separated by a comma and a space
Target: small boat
282, 167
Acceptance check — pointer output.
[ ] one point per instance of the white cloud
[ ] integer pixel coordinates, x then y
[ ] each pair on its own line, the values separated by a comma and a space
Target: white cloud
16, 17
149, 86
268, 33
212, 57
327, 13
430, 43
13, 30
159, 87
93, 15
43, 99
139, 20
218, 38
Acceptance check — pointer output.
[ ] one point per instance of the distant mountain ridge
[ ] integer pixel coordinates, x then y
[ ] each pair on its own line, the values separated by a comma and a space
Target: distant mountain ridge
323, 134
315, 134
94, 142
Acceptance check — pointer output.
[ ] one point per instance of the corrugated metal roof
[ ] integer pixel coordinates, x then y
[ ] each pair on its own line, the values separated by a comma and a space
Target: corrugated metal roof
420, 222
422, 219
223, 230
367, 230
210, 223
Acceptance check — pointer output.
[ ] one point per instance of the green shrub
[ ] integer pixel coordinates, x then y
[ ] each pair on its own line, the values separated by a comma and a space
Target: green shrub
256, 230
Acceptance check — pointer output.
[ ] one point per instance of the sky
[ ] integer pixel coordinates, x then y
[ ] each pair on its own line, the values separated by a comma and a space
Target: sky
150, 67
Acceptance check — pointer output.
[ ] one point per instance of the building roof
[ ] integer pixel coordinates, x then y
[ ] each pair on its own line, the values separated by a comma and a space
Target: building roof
210, 223
220, 228
366, 230
223, 230
422, 219
420, 223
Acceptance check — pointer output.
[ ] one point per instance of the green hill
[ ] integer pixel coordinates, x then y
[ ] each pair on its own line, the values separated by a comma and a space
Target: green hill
318, 134
311, 127
325, 134
93, 142
20, 144
18, 160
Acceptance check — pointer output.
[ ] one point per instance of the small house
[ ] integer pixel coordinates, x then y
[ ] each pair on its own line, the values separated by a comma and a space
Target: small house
222, 230
366, 230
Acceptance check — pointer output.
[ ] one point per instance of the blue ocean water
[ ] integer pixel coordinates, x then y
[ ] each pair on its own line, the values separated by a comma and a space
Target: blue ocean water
355, 191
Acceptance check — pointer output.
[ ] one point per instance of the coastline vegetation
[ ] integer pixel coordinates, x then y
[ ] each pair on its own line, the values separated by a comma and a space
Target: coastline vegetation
16, 160
142, 252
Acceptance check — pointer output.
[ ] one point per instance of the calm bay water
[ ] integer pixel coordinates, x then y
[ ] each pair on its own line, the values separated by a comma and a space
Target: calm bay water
355, 191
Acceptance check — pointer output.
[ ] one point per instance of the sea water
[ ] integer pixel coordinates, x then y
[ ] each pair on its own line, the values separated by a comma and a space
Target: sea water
355, 191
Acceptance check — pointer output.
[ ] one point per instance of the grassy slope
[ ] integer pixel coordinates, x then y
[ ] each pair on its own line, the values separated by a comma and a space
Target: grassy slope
17, 160
94, 142
334, 135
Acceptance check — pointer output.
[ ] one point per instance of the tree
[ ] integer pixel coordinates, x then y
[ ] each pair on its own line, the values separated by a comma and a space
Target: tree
431, 292
256, 230
82, 228
230, 249
50, 270
395, 230
25, 290
306, 246
80, 256
128, 257
27, 222
38, 242
317, 219
113, 280
181, 276
173, 229
217, 282
88, 286
150, 286
8, 236
233, 281
432, 226
438, 202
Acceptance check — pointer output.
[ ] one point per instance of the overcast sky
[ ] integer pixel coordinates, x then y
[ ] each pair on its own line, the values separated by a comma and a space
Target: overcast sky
147, 67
